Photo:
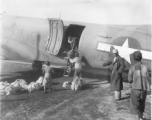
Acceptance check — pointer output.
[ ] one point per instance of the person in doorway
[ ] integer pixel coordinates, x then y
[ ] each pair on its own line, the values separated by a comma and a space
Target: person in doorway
72, 42
117, 69
140, 83
70, 55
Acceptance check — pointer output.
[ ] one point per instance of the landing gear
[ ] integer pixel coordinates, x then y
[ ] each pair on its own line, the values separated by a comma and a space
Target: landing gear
37, 65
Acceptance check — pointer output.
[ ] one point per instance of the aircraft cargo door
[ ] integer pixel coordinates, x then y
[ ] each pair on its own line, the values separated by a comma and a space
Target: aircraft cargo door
56, 35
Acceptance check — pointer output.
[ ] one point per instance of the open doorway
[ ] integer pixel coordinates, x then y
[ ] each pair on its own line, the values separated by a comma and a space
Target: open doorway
74, 31
70, 44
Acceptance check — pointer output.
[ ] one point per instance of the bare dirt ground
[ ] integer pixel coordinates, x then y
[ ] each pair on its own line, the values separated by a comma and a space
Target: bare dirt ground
92, 102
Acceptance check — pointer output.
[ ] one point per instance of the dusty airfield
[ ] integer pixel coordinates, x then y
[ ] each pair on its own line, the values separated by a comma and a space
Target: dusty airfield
93, 102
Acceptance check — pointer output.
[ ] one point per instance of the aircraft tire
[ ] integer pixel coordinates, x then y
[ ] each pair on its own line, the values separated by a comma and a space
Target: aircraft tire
37, 66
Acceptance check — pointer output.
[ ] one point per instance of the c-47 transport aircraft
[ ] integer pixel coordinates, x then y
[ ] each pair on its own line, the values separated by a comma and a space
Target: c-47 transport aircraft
36, 40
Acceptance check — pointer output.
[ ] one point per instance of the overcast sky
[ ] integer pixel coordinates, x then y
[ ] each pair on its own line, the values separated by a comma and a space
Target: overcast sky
90, 11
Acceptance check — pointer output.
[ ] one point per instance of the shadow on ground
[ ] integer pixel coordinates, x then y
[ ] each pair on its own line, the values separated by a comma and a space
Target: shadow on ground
34, 75
88, 86
28, 76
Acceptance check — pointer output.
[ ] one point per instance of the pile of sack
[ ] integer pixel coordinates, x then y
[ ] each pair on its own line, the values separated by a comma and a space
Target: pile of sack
20, 85
76, 84
34, 86
11, 88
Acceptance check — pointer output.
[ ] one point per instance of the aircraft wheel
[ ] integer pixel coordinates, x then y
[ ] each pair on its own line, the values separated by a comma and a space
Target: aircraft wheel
37, 66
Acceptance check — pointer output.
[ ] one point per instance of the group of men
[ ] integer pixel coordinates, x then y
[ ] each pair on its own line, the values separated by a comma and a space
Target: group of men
74, 58
138, 78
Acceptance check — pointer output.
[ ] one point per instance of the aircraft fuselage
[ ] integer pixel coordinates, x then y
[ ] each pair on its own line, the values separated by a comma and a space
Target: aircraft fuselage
33, 39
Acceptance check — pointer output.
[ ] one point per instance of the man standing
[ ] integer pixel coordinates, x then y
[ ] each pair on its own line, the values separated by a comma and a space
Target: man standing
47, 81
140, 83
72, 41
117, 68
78, 65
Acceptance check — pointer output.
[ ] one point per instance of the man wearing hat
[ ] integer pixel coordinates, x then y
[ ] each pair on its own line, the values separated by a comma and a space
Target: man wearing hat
117, 68
140, 83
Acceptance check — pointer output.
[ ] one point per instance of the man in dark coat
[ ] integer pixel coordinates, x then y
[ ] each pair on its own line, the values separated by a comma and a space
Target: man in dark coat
117, 69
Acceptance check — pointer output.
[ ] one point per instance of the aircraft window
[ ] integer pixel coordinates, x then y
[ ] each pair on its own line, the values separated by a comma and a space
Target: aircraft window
23, 33
33, 40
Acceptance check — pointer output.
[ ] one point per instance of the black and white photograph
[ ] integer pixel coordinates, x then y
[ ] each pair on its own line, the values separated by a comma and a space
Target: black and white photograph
75, 59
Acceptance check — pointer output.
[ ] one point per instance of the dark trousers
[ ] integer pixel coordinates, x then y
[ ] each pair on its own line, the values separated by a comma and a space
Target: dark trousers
78, 73
137, 102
